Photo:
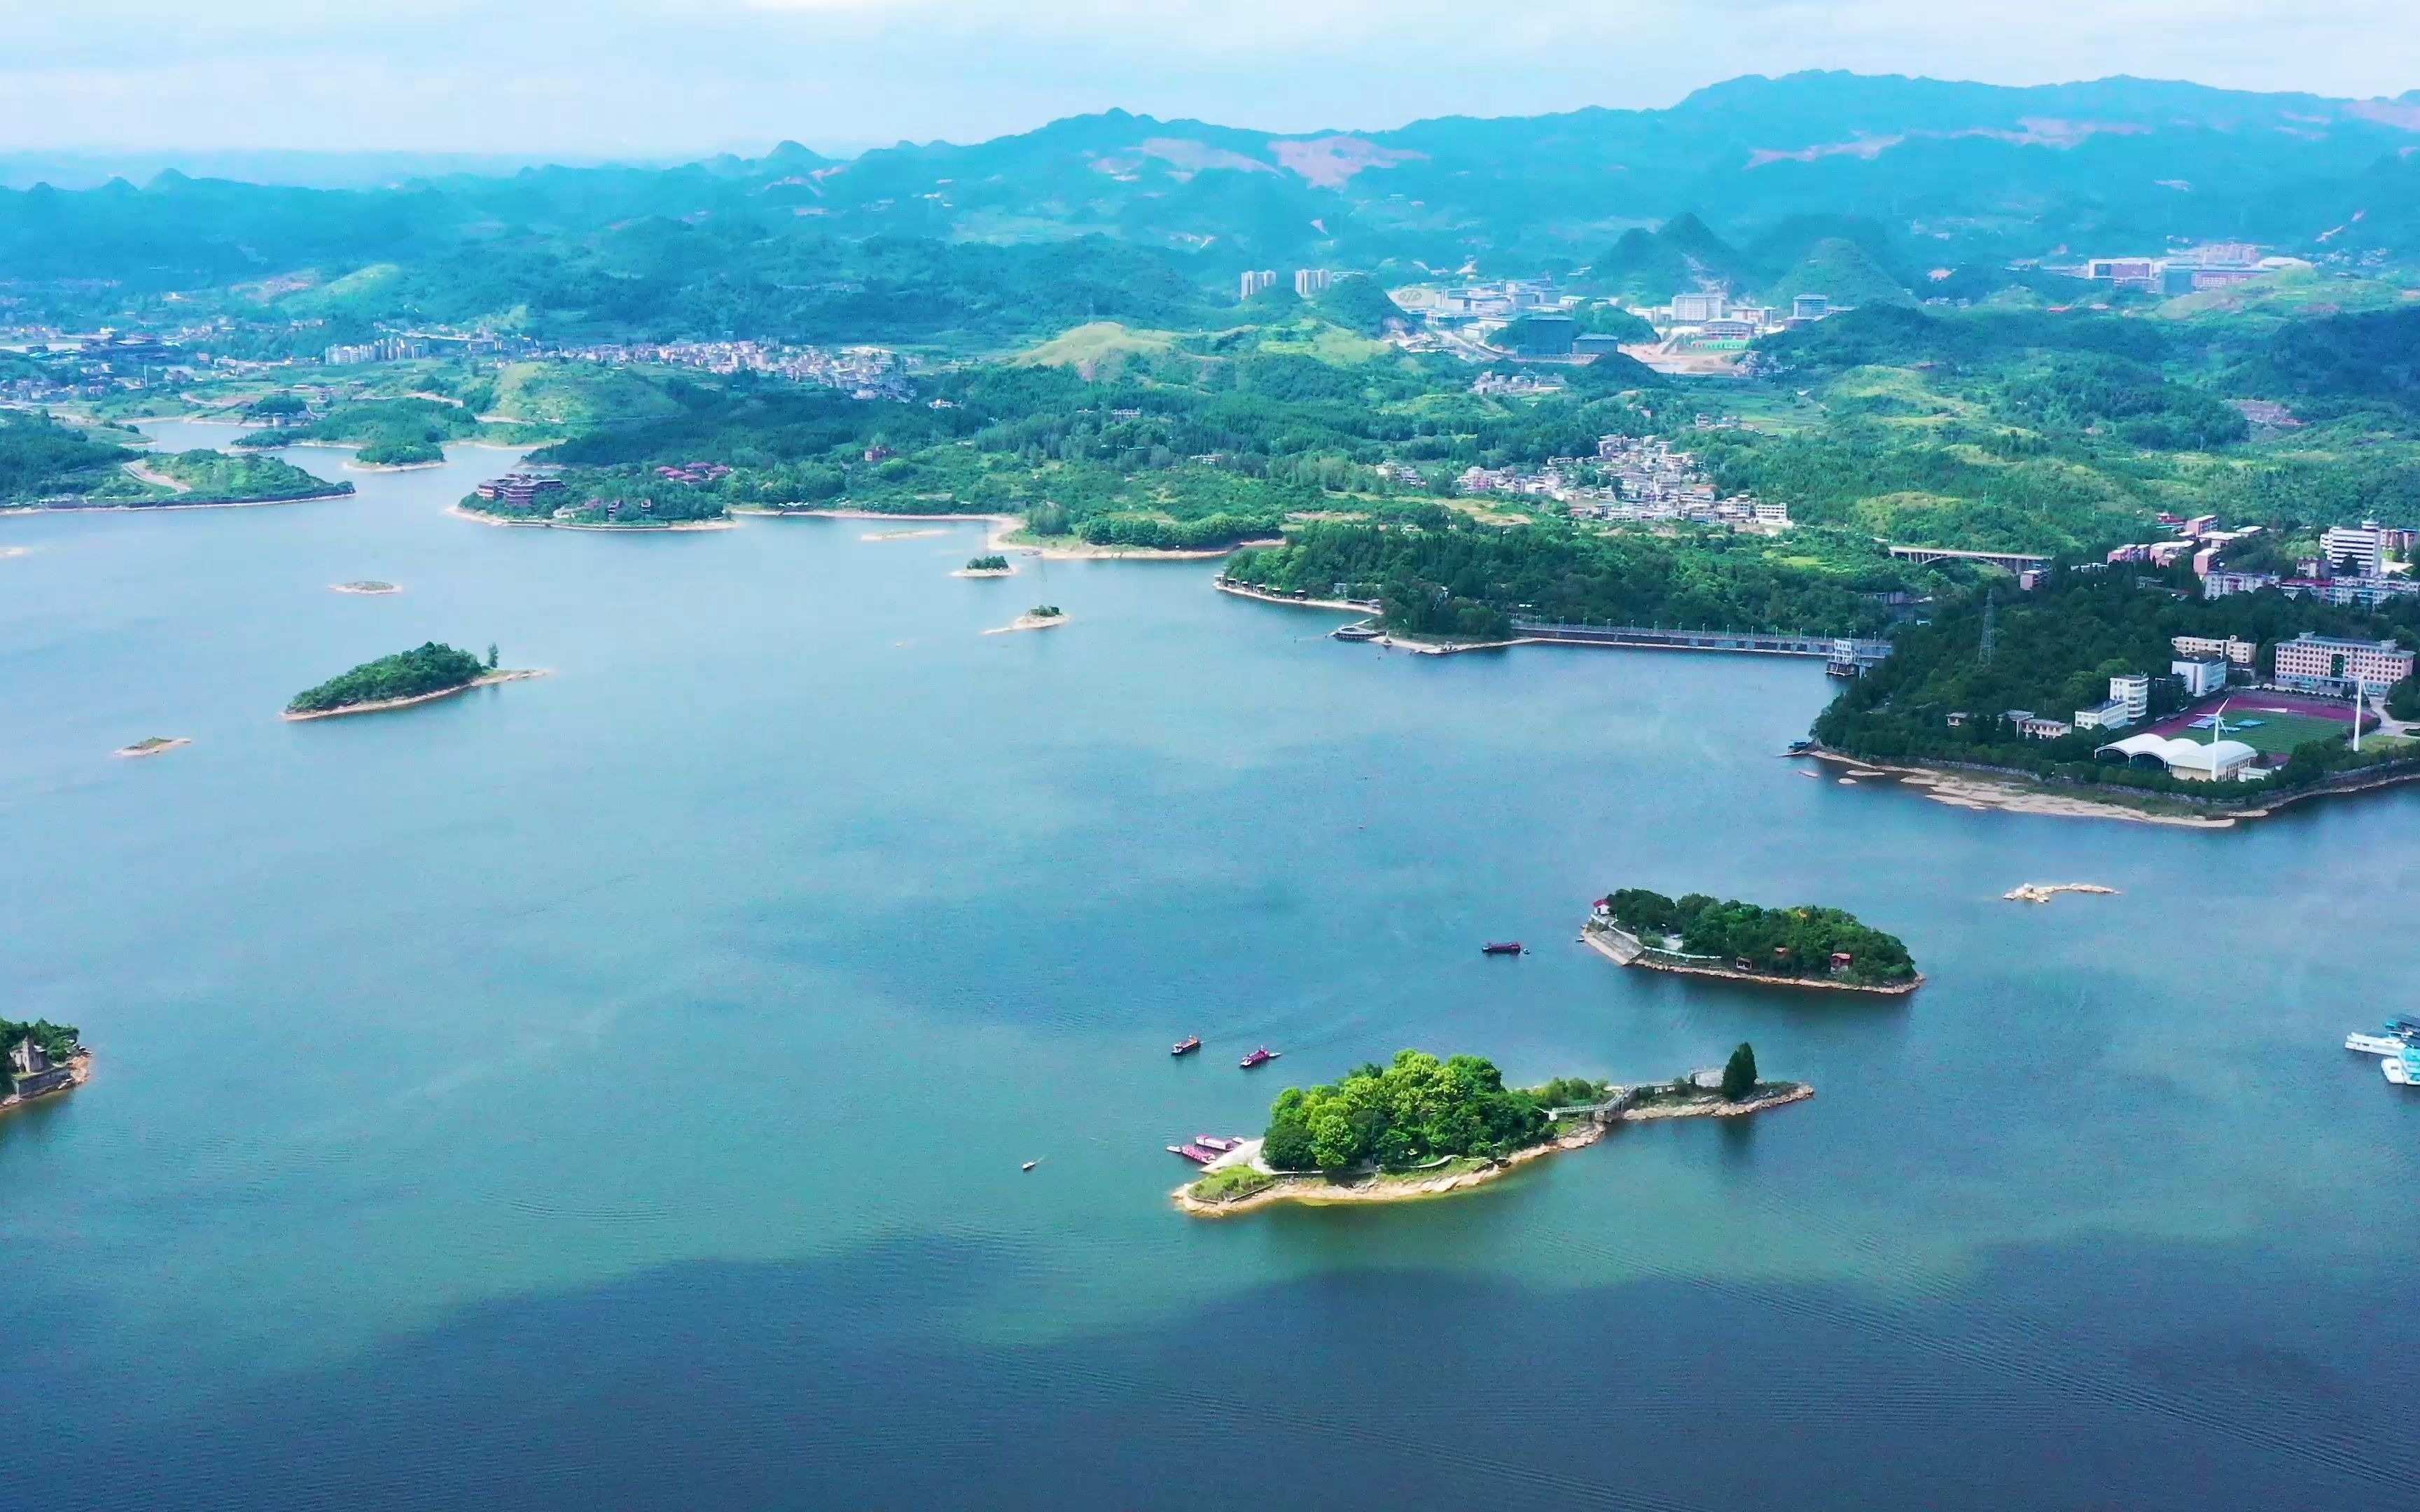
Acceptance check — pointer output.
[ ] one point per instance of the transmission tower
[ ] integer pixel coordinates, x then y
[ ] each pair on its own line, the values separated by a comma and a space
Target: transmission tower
1991, 641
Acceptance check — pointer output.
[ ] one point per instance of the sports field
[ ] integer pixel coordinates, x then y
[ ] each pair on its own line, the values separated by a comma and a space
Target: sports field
2275, 732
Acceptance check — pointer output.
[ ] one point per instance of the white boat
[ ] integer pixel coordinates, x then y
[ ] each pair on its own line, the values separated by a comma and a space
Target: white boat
2377, 1044
2403, 1069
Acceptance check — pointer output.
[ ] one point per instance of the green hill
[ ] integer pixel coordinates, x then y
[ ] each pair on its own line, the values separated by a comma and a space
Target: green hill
1843, 271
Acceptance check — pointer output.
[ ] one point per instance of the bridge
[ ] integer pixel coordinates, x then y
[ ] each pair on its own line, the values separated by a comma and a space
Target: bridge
2012, 561
1767, 643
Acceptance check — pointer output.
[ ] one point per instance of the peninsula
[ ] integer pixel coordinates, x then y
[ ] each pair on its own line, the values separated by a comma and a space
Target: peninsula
1699, 935
40, 1058
428, 671
1424, 1128
1040, 617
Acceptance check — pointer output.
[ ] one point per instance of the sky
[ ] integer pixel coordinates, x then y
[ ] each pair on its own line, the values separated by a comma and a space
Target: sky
651, 78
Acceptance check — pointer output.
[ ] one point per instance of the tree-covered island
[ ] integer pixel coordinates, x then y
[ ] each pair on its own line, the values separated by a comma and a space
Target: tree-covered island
429, 671
1423, 1127
1706, 937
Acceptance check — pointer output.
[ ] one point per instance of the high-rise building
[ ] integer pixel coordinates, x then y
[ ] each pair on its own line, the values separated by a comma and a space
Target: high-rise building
1310, 281
1256, 279
2135, 692
2351, 550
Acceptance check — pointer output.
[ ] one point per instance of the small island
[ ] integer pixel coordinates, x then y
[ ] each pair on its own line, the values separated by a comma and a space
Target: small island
1702, 936
428, 671
366, 585
40, 1058
1423, 1127
994, 566
1040, 617
153, 746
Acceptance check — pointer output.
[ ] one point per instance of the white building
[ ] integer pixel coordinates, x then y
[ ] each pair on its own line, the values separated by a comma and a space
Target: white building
1256, 279
1696, 309
2107, 714
2200, 676
2135, 692
2215, 760
2356, 547
1310, 281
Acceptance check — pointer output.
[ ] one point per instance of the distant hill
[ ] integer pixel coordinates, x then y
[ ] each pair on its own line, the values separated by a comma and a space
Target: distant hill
1842, 269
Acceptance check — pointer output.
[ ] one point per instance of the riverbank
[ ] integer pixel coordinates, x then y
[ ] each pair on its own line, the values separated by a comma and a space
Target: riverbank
79, 1073
357, 464
1004, 526
1353, 606
1963, 789
1624, 948
179, 503
486, 680
985, 571
577, 525
153, 746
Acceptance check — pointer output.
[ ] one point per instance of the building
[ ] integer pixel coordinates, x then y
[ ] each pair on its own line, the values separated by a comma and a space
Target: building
2363, 593
1594, 344
1765, 512
2237, 652
1811, 306
2145, 273
1696, 309
1256, 279
2110, 713
2215, 760
2324, 664
2200, 676
2134, 691
2220, 585
520, 489
29, 1071
2034, 727
1548, 335
2353, 550
1310, 281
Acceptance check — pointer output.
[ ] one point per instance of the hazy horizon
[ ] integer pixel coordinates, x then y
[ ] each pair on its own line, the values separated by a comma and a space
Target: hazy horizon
652, 80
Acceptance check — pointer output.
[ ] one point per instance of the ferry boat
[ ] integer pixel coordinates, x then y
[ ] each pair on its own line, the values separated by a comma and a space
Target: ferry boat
1259, 1057
2377, 1044
1354, 632
1187, 1045
1215, 1142
1501, 948
2403, 1069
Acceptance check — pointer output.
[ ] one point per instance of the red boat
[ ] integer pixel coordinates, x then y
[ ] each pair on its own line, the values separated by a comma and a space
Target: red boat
1195, 1153
1187, 1045
1259, 1057
1501, 948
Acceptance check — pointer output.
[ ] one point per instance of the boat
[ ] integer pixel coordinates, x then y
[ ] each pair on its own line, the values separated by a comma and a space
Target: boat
1028, 1165
1259, 1057
1214, 1142
1354, 632
2375, 1044
2403, 1069
1195, 1153
1798, 747
1501, 948
1187, 1045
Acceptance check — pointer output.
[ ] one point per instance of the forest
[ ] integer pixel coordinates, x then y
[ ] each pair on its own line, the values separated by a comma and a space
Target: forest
1785, 941
429, 667
1418, 1108
42, 459
57, 1041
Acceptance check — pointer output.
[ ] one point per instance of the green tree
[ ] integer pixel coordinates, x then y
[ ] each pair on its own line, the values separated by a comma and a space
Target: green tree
491, 656
1739, 1074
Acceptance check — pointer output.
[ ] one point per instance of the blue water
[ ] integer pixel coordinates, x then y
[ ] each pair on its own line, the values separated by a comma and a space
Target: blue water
610, 1088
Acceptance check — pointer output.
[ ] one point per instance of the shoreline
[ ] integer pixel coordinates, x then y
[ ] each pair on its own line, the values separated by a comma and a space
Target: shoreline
79, 1073
1593, 935
985, 571
1006, 525
573, 525
488, 680
365, 591
354, 466
1263, 595
334, 490
1980, 794
1317, 1191
143, 747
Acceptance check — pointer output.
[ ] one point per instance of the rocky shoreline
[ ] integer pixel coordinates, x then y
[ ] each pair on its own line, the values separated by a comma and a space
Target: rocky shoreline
79, 1073
1625, 950
486, 680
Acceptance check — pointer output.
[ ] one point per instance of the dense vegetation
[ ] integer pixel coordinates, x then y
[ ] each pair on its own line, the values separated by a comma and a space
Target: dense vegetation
1451, 577
211, 477
1416, 1110
390, 432
42, 459
57, 1041
2054, 651
1782, 941
429, 667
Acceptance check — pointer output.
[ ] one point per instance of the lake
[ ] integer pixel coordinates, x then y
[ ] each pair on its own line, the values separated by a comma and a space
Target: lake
611, 1089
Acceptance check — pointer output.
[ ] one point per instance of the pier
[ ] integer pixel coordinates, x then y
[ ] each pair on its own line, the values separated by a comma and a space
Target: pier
1848, 649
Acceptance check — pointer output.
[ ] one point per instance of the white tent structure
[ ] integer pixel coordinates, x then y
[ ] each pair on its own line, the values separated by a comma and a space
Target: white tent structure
2220, 761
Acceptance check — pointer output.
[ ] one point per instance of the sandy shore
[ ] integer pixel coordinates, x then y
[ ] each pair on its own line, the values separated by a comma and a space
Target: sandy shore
1028, 622
573, 525
1318, 1191
364, 588
153, 746
178, 506
985, 571
1594, 937
2043, 892
79, 1073
488, 680
899, 535
1974, 791
352, 466
1240, 590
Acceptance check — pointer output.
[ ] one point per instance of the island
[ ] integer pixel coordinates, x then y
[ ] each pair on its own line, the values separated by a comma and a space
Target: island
366, 585
1702, 936
153, 746
1040, 617
994, 566
1423, 1127
428, 671
40, 1058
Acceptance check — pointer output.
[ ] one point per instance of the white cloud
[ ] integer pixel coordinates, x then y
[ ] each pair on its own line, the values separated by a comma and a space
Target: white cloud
670, 75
